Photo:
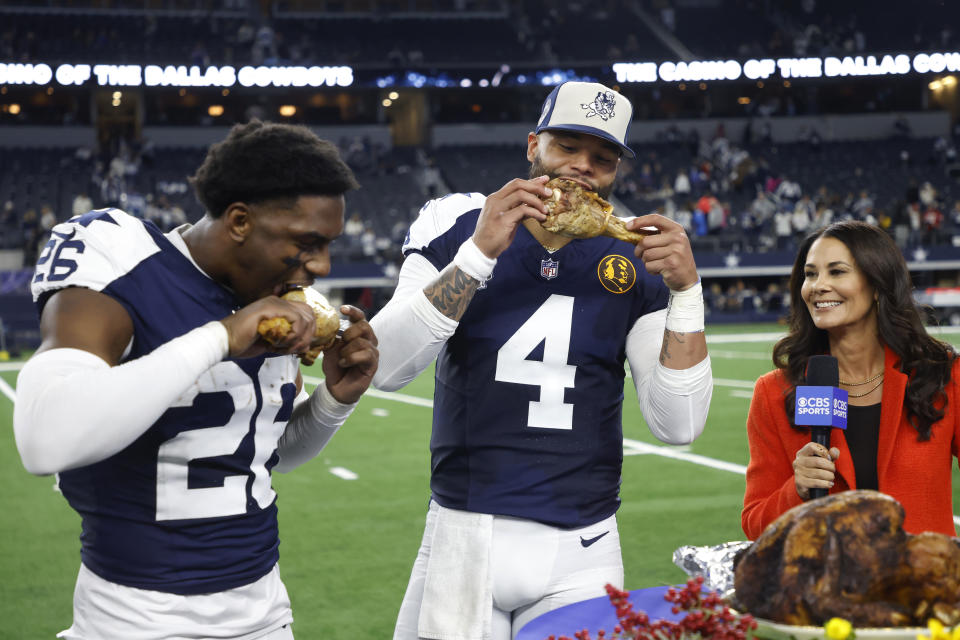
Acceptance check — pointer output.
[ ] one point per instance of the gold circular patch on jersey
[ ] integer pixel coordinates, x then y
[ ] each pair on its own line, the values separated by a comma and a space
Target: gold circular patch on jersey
616, 274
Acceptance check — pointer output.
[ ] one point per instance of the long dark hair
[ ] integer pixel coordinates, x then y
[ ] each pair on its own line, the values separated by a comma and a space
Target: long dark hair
926, 360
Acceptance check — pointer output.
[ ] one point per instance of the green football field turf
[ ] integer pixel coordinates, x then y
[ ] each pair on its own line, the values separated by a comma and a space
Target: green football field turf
347, 545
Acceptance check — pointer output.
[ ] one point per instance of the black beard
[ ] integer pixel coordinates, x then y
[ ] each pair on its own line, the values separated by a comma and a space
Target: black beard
537, 169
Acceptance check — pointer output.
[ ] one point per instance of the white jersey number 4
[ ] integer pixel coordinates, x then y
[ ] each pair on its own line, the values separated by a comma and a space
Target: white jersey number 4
550, 325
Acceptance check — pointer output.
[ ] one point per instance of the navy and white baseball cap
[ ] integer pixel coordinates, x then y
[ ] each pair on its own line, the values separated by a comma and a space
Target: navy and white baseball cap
588, 107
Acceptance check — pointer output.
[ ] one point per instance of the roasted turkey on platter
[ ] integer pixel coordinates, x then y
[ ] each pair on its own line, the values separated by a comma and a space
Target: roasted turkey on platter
576, 212
275, 330
847, 556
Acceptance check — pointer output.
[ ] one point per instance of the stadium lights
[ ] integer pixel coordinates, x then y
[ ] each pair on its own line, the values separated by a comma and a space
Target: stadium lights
13, 108
936, 85
387, 102
498, 76
287, 110
393, 95
949, 81
215, 110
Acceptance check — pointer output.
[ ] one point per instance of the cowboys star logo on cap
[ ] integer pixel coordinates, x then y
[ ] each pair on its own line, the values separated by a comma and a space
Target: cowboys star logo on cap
590, 108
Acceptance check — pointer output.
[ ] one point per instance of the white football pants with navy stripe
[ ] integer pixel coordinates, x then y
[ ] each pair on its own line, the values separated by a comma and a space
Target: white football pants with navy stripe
535, 568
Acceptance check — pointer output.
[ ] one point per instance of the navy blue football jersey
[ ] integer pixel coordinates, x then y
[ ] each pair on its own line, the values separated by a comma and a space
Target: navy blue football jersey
529, 389
188, 507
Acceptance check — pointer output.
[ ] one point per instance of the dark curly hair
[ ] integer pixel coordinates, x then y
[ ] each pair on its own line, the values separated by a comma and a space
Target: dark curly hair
260, 161
926, 360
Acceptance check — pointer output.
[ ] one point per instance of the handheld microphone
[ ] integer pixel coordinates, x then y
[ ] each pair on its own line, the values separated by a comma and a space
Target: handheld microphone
821, 404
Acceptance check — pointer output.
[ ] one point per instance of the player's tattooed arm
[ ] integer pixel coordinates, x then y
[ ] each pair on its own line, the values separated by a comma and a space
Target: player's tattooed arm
451, 292
668, 336
682, 350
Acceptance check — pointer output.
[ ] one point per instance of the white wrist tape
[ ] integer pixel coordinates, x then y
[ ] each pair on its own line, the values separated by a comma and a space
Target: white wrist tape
685, 310
473, 262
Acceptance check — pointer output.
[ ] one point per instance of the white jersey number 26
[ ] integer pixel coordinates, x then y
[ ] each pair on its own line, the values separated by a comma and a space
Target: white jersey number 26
550, 325
221, 436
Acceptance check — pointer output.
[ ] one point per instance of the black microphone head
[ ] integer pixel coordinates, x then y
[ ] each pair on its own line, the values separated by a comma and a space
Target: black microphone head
823, 371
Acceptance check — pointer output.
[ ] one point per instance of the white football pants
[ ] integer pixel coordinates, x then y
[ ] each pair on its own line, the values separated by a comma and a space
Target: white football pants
534, 568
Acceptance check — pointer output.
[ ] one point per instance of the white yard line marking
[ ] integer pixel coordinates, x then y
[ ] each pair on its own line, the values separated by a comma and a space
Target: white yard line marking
739, 384
346, 474
386, 395
631, 447
744, 337
635, 447
7, 390
737, 393
741, 355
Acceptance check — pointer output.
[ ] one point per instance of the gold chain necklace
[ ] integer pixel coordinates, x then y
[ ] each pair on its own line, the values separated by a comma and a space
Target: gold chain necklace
857, 384
866, 393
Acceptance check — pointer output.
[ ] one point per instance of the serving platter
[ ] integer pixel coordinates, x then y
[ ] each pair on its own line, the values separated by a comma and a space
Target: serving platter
769, 630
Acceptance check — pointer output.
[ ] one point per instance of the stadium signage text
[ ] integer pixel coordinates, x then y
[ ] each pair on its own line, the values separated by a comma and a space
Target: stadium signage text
134, 75
786, 68
182, 76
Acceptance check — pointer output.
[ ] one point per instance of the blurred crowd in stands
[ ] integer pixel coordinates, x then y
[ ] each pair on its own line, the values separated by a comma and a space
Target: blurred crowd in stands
759, 196
429, 36
733, 195
433, 31
748, 197
799, 28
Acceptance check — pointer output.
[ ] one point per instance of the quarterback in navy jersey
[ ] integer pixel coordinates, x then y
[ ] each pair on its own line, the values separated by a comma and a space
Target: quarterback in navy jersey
530, 331
162, 410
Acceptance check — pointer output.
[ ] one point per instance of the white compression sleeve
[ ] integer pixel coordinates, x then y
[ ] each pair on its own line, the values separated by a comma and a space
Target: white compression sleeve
74, 409
674, 402
314, 420
410, 331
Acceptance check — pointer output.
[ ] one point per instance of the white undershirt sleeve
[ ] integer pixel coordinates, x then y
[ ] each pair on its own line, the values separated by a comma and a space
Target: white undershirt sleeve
73, 409
674, 402
410, 331
314, 420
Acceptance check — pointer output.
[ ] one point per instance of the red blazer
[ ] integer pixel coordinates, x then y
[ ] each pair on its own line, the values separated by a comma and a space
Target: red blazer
917, 474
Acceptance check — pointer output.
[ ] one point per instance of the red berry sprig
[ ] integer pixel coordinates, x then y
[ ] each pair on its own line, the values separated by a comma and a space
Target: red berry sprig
707, 618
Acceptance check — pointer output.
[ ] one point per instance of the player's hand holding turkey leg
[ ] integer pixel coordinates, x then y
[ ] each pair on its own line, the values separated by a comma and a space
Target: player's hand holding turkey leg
667, 253
350, 363
246, 342
505, 209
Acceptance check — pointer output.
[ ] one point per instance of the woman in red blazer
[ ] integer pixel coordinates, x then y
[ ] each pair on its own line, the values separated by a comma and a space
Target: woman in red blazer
852, 298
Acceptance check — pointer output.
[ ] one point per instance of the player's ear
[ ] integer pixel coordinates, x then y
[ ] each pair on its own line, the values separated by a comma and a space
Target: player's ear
238, 221
533, 143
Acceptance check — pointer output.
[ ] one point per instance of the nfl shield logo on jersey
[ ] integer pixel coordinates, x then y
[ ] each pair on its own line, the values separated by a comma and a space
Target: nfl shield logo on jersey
549, 268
